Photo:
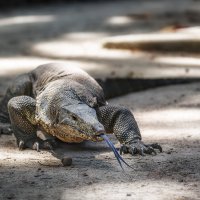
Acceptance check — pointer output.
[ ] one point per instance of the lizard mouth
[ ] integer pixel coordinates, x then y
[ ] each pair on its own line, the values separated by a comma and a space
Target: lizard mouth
98, 135
95, 136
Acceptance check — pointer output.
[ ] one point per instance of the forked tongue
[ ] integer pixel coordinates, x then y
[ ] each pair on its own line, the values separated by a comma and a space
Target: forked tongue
117, 155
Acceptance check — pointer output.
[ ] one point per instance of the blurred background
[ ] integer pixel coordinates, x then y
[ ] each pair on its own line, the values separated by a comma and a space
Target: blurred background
127, 45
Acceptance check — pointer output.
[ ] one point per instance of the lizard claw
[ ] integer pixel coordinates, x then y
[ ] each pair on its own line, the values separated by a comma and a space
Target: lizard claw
155, 146
123, 149
21, 145
49, 144
36, 146
138, 147
141, 151
132, 151
150, 150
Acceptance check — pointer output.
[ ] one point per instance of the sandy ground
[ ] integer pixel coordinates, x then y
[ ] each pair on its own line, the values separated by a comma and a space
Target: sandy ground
169, 116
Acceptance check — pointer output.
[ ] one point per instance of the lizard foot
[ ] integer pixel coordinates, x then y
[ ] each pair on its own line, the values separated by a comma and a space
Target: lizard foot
37, 144
138, 147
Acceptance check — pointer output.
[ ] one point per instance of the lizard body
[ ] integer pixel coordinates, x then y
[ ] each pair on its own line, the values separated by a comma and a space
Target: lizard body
68, 104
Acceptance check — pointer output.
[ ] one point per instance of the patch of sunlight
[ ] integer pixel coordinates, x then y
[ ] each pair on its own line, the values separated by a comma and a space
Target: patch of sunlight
147, 189
155, 37
66, 48
82, 36
14, 157
171, 115
171, 123
61, 49
194, 29
170, 133
19, 155
178, 60
17, 65
25, 19
168, 71
119, 20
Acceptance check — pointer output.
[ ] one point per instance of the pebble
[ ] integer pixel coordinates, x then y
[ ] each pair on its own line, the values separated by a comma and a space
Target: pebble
66, 161
85, 174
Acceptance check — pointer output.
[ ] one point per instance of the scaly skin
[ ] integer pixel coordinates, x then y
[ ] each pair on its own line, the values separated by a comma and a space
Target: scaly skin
66, 103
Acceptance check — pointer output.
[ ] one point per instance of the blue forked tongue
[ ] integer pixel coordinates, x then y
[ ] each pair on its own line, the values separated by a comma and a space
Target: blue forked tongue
117, 155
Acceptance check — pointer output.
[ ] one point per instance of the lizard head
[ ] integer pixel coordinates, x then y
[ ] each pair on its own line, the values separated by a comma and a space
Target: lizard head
81, 121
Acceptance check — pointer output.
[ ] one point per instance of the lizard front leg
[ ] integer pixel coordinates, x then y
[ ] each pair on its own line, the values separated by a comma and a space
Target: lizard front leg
22, 85
121, 122
22, 115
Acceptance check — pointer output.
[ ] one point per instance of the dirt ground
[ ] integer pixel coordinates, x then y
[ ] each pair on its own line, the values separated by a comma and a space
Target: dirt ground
168, 115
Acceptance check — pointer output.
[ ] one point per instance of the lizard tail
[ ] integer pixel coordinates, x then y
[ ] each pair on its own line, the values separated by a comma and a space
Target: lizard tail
117, 155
